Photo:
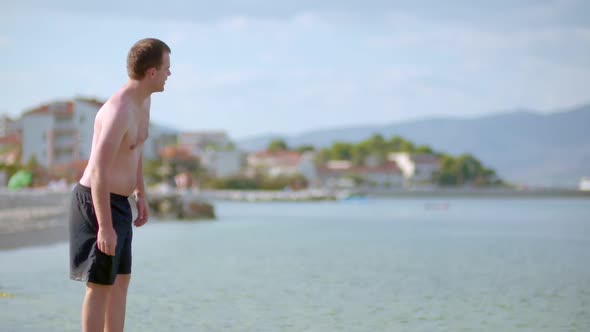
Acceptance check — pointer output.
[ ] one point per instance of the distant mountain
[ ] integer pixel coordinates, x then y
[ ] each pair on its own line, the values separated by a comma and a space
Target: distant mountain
522, 146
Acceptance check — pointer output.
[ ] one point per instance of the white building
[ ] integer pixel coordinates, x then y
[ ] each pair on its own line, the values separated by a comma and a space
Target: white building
223, 163
387, 176
307, 166
9, 149
416, 167
8, 126
341, 174
279, 163
59, 132
283, 163
584, 184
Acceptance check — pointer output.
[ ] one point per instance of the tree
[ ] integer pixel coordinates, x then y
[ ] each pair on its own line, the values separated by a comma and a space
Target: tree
341, 151
377, 141
461, 170
378, 148
304, 148
323, 156
230, 146
277, 145
423, 149
10, 169
447, 175
395, 143
32, 164
406, 146
153, 171
359, 153
465, 169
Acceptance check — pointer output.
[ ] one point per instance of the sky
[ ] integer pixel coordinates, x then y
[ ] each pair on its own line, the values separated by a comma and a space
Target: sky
257, 67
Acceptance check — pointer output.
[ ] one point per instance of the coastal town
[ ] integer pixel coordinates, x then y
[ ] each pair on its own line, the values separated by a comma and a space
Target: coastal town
53, 141
44, 151
48, 146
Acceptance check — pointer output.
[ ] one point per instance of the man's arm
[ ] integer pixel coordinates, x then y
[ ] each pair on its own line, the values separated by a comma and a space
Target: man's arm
112, 127
140, 190
142, 208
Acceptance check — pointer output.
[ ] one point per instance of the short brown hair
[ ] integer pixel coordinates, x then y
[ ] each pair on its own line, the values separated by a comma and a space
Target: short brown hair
145, 54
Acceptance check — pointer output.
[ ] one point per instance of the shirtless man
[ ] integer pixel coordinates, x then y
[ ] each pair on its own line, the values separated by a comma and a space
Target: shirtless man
100, 214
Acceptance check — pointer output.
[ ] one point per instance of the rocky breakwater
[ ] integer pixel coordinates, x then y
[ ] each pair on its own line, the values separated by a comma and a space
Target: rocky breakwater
180, 206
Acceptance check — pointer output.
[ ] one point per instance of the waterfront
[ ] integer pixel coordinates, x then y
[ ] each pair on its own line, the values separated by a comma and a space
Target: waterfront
427, 264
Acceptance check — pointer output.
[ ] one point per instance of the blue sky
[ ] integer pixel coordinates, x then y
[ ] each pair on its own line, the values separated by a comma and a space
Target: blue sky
255, 67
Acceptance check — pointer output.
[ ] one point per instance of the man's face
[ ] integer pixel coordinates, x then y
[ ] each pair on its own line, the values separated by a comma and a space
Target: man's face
161, 75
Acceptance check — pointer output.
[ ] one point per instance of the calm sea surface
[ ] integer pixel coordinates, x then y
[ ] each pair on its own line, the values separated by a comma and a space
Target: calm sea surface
374, 265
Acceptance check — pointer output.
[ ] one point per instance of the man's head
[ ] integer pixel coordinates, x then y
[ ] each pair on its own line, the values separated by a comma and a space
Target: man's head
149, 59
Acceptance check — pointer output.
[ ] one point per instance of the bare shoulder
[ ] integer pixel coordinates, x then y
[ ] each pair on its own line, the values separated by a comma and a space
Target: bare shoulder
115, 111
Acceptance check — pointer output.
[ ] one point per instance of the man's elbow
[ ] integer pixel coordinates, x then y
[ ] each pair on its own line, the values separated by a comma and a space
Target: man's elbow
97, 175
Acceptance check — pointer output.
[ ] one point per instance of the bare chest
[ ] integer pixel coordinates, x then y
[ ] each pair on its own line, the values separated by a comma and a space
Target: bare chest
138, 131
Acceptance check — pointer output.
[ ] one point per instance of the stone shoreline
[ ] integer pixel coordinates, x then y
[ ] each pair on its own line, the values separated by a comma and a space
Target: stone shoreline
32, 217
39, 217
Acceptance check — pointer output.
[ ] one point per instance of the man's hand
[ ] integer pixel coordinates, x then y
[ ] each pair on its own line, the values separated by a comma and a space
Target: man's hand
142, 211
107, 241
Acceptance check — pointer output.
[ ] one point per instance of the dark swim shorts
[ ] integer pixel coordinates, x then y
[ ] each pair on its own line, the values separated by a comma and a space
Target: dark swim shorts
87, 263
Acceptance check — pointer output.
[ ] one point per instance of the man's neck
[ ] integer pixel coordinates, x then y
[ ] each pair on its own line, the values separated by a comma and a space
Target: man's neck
137, 91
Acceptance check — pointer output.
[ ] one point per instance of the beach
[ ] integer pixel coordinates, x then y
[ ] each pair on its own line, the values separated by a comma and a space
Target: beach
32, 217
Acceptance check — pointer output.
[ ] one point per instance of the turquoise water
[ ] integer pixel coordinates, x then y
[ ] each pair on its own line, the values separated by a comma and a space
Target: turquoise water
377, 265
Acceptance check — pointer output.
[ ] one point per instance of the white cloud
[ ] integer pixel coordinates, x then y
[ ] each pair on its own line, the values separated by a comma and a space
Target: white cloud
480, 43
319, 67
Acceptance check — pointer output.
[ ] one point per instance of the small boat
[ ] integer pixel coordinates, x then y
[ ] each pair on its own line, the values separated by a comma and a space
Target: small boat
437, 206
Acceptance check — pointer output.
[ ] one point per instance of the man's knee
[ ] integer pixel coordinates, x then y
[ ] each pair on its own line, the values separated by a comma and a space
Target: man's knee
97, 292
98, 288
122, 281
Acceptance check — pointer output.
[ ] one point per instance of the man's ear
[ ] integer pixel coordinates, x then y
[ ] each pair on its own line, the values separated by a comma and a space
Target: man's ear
151, 72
